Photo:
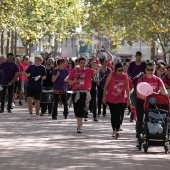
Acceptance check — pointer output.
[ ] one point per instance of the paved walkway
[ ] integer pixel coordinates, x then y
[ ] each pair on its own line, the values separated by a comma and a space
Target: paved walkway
54, 145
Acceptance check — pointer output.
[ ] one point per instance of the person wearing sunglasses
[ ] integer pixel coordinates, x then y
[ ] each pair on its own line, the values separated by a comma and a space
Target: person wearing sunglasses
117, 88
157, 85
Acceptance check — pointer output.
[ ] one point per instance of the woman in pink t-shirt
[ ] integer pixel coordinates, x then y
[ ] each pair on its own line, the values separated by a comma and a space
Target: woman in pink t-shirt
80, 80
24, 79
117, 87
17, 85
157, 85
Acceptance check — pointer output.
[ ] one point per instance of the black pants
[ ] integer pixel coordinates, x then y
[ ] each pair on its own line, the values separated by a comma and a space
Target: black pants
123, 113
140, 113
79, 105
92, 104
45, 107
10, 96
115, 110
99, 103
64, 101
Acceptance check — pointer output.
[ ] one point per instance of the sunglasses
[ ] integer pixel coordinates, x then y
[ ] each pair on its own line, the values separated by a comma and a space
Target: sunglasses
119, 70
150, 69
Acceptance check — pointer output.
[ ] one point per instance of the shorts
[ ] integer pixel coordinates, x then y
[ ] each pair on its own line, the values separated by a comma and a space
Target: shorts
79, 105
17, 86
34, 93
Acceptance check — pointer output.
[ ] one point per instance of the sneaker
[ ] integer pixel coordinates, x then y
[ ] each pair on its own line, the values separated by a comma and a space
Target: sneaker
38, 117
131, 120
54, 118
20, 103
95, 119
9, 111
29, 116
13, 105
42, 114
85, 119
117, 135
114, 133
78, 130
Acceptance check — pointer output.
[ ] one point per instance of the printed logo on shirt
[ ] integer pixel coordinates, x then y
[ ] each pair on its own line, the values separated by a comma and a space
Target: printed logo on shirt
118, 88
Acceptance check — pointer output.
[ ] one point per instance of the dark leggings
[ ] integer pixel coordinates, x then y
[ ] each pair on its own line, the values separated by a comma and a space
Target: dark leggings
140, 113
64, 101
123, 112
92, 103
99, 103
116, 111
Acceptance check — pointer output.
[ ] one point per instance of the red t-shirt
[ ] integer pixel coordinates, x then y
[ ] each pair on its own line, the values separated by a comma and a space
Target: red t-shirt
21, 69
25, 66
84, 76
155, 82
116, 89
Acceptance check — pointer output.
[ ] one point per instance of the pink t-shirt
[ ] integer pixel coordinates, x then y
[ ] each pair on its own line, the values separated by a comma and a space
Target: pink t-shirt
116, 89
85, 77
25, 66
21, 69
155, 82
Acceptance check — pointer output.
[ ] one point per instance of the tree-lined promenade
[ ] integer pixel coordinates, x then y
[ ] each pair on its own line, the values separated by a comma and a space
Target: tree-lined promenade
31, 20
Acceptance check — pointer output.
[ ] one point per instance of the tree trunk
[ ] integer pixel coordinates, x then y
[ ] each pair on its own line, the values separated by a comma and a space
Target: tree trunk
2, 42
152, 50
15, 44
165, 59
7, 46
26, 49
12, 41
29, 50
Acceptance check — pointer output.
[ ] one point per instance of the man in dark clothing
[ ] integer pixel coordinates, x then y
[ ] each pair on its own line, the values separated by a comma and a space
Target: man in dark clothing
10, 72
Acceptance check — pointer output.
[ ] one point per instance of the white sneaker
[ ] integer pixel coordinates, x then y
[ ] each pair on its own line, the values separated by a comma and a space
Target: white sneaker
13, 104
38, 117
29, 116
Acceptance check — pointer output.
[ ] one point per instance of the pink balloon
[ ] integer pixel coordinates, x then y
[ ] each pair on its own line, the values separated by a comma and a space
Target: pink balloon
64, 54
144, 89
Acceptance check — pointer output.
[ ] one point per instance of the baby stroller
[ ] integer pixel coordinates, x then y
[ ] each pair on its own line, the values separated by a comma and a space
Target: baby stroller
155, 123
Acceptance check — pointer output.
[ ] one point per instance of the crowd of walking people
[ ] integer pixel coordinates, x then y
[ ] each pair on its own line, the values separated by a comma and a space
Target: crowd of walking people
93, 85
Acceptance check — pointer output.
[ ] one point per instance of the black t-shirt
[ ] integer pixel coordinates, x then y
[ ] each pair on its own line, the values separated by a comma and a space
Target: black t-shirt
48, 81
